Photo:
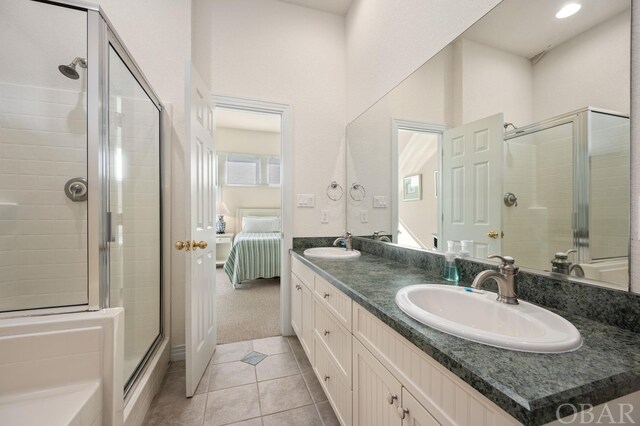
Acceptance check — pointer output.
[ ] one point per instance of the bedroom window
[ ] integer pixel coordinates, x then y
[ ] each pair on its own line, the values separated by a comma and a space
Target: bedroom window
273, 171
235, 169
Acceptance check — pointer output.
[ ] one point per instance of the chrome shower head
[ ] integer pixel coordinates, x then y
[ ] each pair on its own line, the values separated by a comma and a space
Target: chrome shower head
69, 71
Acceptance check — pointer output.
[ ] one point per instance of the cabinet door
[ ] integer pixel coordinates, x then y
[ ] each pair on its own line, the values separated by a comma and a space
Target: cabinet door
306, 339
415, 414
296, 305
376, 392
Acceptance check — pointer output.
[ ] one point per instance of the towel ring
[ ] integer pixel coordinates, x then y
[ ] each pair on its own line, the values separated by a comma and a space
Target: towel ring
334, 191
357, 192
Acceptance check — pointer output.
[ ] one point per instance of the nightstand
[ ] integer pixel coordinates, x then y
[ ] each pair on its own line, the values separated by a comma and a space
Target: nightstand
223, 247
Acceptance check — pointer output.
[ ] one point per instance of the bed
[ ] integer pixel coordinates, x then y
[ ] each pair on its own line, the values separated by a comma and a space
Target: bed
256, 248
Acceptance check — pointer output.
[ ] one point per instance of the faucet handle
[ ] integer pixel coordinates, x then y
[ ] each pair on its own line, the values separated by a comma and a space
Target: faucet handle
508, 264
506, 260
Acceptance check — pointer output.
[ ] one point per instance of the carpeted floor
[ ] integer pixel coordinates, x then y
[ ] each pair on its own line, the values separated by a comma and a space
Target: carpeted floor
252, 311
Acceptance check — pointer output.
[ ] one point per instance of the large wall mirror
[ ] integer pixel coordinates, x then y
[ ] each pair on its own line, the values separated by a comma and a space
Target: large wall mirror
514, 140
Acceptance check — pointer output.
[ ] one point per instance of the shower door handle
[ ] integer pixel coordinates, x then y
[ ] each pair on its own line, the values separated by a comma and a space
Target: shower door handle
111, 238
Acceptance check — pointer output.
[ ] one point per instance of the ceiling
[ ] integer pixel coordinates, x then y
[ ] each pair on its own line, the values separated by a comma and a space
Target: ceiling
526, 27
247, 120
337, 7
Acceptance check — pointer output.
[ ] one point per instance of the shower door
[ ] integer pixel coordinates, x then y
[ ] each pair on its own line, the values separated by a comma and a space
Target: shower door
134, 209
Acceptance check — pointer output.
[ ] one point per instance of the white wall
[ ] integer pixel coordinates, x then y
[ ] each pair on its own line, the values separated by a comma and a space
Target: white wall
235, 197
388, 40
492, 81
587, 70
295, 56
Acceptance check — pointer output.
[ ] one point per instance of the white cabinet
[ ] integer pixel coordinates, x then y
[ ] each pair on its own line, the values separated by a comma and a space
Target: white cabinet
336, 387
378, 397
376, 393
296, 304
414, 413
302, 313
306, 338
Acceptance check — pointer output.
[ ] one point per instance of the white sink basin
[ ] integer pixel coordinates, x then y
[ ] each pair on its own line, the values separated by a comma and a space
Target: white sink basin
476, 315
331, 253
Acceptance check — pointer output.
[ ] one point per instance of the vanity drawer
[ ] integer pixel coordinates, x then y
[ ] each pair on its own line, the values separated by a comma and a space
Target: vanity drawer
335, 337
303, 272
336, 302
332, 381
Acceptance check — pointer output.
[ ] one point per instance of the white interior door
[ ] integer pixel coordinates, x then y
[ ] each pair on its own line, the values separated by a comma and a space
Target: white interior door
472, 185
200, 241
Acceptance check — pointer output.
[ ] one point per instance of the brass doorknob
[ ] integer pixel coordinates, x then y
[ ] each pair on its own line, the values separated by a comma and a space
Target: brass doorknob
186, 245
199, 245
493, 234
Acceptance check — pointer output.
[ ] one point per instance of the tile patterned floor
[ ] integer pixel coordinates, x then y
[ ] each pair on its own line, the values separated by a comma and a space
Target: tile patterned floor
240, 389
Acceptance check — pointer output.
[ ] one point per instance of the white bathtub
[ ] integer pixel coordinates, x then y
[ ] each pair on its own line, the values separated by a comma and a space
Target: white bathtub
62, 369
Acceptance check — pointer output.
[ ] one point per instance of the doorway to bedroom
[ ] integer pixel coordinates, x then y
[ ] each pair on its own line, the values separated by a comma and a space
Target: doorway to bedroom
248, 226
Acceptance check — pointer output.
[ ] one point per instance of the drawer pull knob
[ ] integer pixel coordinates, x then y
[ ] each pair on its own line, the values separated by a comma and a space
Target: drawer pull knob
326, 295
326, 332
402, 412
391, 398
326, 378
298, 287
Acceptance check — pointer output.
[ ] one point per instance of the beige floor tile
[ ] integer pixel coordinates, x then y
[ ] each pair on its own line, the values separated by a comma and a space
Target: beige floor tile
203, 386
231, 352
326, 413
315, 388
272, 345
186, 412
283, 394
231, 374
173, 388
232, 405
253, 422
307, 416
300, 354
275, 366
303, 362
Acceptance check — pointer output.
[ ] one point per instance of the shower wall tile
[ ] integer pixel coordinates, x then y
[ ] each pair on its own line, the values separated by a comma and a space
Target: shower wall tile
42, 233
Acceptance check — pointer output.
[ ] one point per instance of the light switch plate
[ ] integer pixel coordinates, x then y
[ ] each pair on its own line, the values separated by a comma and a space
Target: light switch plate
324, 217
364, 216
306, 200
380, 202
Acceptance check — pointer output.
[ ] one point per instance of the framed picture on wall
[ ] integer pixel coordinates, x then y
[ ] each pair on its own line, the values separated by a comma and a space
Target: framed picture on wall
412, 188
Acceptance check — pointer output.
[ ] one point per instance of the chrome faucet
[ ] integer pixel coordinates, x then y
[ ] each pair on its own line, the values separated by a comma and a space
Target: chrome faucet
378, 237
561, 265
346, 239
506, 279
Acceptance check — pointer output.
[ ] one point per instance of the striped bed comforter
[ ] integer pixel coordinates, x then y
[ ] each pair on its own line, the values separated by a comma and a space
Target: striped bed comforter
253, 256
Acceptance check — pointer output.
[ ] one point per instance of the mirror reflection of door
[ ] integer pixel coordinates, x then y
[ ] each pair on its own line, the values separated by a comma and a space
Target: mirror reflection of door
472, 185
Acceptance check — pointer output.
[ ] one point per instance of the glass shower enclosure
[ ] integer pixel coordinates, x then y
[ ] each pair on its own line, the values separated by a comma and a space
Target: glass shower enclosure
571, 177
80, 172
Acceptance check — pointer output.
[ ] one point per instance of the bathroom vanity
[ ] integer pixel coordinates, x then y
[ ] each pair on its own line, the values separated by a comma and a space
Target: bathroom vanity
378, 366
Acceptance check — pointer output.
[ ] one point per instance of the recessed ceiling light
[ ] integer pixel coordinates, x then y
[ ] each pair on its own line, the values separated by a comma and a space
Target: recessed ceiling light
568, 10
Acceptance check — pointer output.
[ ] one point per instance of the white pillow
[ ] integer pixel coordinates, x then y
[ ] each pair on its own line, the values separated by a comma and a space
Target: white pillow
255, 224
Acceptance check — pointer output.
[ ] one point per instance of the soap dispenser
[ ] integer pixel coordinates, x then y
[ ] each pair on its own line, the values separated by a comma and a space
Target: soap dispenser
450, 272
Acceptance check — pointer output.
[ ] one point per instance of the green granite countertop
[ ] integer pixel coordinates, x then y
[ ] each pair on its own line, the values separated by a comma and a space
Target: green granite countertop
528, 386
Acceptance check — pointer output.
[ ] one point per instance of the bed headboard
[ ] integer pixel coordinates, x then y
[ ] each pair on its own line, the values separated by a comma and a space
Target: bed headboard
245, 211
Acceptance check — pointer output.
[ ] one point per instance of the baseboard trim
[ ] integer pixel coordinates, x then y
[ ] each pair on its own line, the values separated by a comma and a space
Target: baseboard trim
178, 353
